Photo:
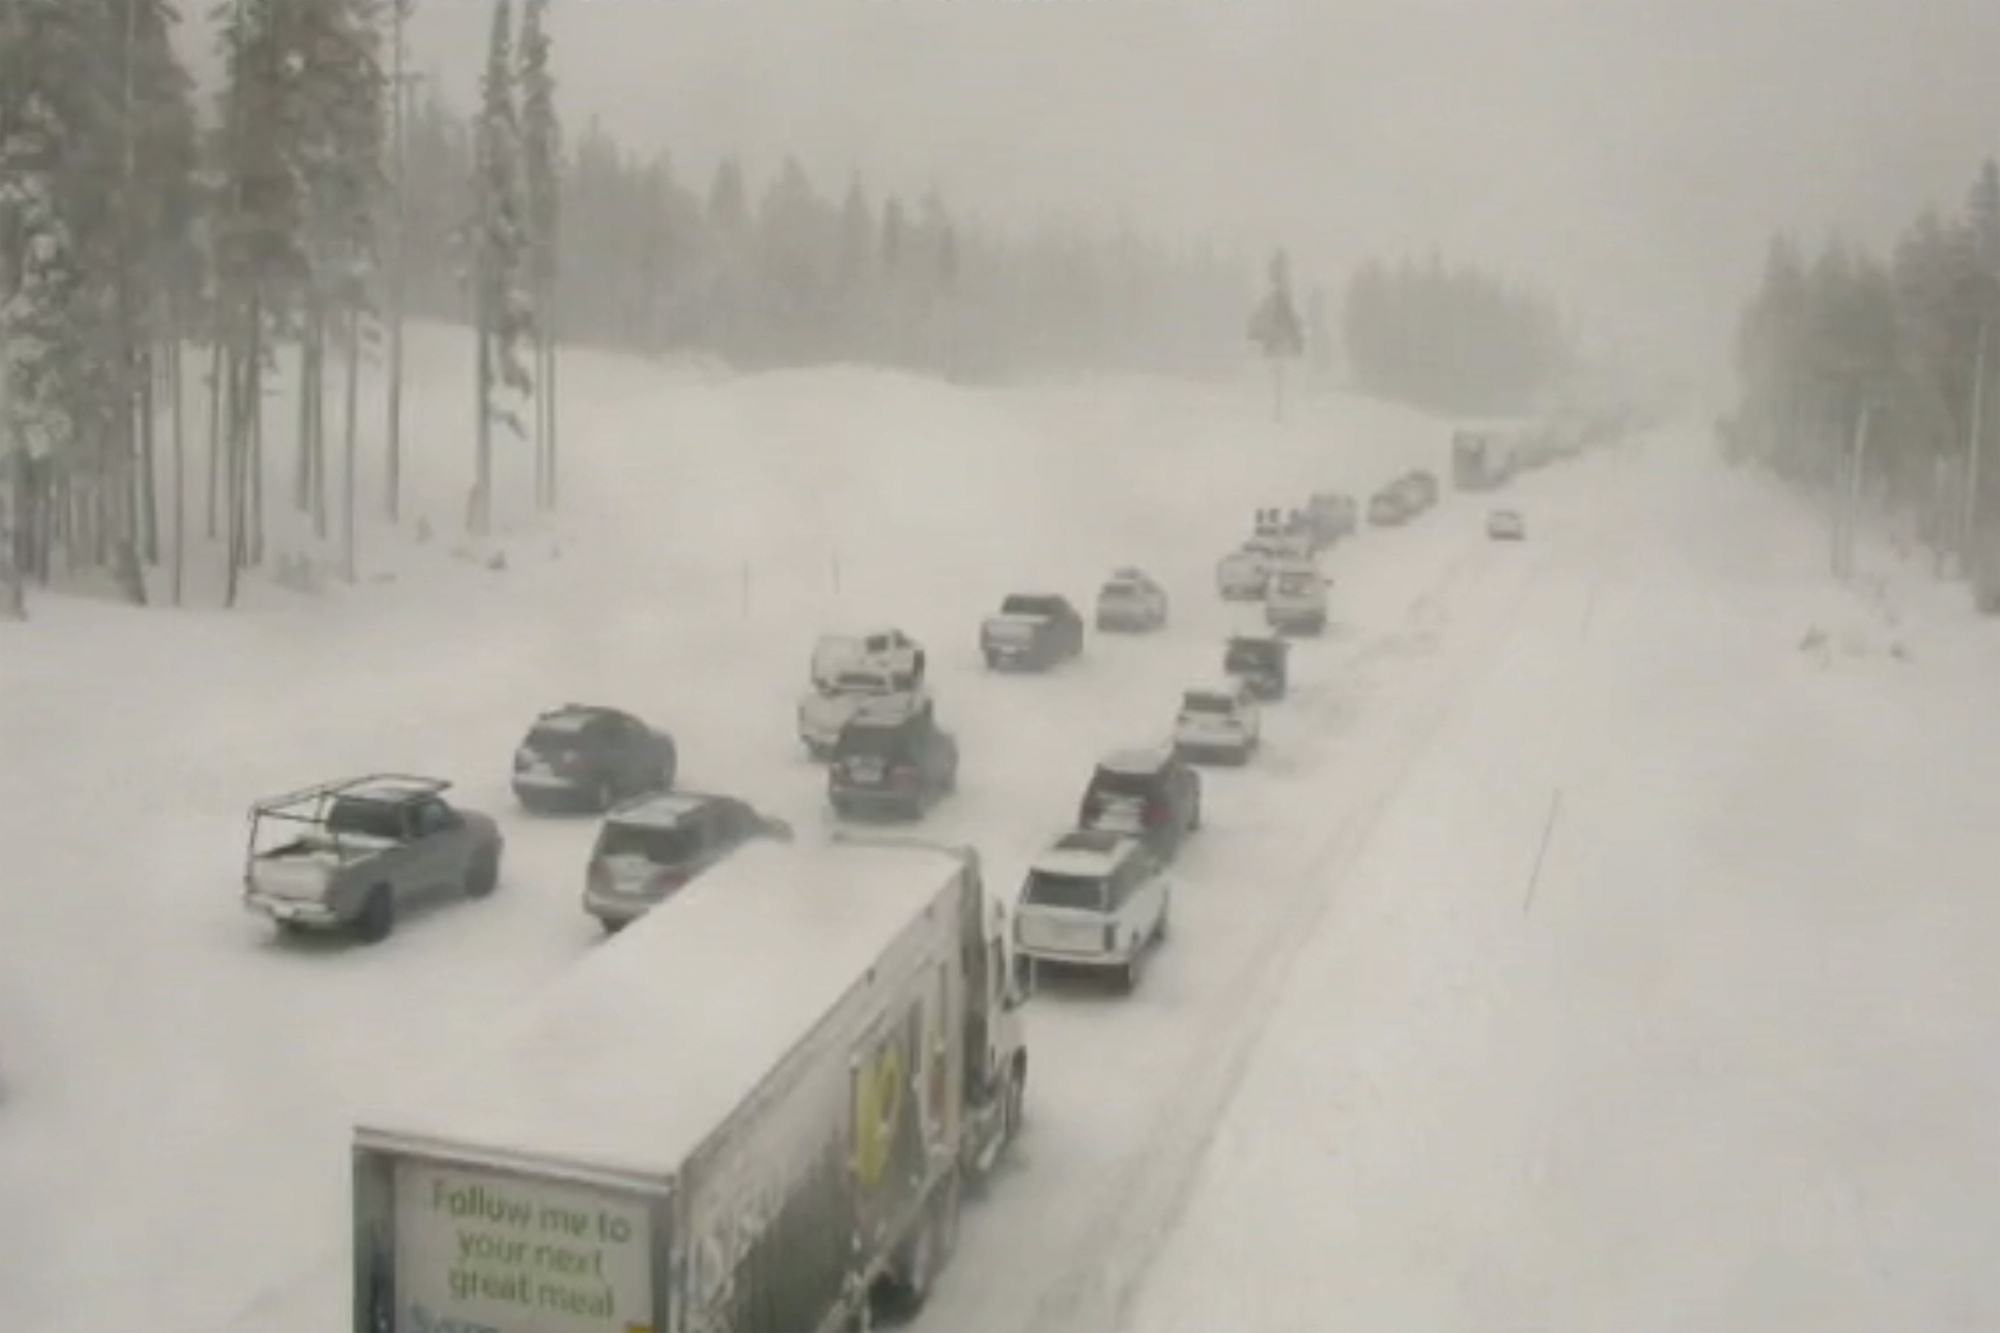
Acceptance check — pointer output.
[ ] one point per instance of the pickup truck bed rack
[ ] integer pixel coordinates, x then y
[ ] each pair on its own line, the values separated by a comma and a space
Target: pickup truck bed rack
308, 805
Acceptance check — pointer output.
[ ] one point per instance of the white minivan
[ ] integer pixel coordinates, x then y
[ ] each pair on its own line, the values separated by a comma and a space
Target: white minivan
1095, 899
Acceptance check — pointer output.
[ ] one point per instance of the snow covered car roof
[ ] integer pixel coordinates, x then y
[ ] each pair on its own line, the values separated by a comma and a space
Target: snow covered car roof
1085, 852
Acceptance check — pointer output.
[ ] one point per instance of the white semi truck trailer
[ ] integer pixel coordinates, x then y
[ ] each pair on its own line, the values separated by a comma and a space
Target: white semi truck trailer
756, 1110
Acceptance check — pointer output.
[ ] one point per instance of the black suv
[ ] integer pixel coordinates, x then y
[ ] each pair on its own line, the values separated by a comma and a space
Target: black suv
1151, 794
590, 757
648, 849
892, 758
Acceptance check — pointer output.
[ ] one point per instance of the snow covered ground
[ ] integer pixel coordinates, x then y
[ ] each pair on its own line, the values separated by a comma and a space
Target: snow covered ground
174, 1145
1727, 1060
1717, 1036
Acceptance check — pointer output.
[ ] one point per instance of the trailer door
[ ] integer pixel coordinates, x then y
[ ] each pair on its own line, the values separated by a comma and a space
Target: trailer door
503, 1252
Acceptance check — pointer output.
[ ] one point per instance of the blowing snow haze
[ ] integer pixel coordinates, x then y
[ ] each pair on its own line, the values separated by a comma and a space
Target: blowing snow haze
1629, 155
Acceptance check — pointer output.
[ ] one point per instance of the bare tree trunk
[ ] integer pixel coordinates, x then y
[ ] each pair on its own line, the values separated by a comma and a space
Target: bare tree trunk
253, 395
540, 431
302, 477
555, 431
316, 422
215, 403
392, 481
233, 465
13, 528
482, 479
177, 404
350, 451
149, 492
399, 262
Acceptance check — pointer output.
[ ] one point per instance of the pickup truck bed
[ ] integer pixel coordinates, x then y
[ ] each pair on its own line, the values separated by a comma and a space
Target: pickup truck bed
307, 863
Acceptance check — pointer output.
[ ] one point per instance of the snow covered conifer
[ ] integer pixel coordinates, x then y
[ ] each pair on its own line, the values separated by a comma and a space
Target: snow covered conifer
541, 165
502, 315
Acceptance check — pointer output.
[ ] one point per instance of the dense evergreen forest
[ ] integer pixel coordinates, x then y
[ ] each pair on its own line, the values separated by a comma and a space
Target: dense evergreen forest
1871, 374
1453, 338
292, 222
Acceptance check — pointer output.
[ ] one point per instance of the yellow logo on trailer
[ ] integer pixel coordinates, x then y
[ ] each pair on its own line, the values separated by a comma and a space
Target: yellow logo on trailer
878, 1110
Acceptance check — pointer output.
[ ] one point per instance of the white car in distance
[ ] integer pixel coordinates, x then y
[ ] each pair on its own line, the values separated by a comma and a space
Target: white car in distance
1295, 599
1131, 601
1243, 574
1221, 722
1095, 899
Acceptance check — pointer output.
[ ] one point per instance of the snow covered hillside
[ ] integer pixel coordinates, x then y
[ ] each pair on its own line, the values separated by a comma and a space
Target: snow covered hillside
177, 1083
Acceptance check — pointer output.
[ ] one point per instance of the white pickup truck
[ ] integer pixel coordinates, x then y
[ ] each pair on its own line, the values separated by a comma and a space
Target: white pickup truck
884, 647
829, 706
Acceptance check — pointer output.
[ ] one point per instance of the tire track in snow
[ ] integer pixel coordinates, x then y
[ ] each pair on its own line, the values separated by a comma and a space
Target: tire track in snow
1134, 1216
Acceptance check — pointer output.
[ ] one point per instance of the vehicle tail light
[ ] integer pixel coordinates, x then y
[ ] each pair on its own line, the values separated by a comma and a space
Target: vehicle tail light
1156, 812
1110, 937
903, 775
600, 875
666, 881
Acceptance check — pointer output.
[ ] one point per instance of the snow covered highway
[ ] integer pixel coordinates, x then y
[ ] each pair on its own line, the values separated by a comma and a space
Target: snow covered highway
1498, 991
161, 1046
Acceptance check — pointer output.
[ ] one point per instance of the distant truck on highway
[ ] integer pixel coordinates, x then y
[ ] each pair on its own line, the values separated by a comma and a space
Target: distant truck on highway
1478, 460
756, 1110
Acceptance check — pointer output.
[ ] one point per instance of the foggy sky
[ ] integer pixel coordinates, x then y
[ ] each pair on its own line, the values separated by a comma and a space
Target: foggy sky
1631, 155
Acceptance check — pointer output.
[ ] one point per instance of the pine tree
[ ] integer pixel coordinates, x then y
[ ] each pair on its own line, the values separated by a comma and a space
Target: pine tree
163, 202
154, 144
61, 341
1275, 328
500, 252
260, 255
732, 287
541, 153
400, 12
856, 327
339, 88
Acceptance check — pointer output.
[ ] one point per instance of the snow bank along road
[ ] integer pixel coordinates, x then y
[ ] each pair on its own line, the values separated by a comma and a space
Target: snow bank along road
1718, 1054
175, 1145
